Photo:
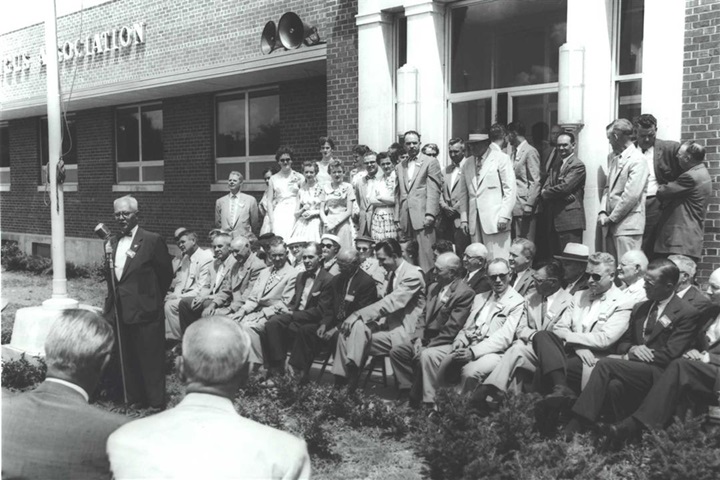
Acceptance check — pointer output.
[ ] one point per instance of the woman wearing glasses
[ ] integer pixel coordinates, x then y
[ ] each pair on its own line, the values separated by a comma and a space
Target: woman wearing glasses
337, 207
308, 224
282, 194
383, 199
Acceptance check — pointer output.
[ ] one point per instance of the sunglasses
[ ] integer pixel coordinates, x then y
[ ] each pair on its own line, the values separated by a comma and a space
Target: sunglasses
500, 276
327, 245
596, 277
285, 160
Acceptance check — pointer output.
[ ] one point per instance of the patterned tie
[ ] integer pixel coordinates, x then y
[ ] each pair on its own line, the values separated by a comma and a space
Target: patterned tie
233, 208
342, 315
651, 321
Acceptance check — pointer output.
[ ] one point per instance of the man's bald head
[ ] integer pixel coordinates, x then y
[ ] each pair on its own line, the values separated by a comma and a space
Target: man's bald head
448, 267
240, 249
477, 250
475, 257
348, 260
215, 353
632, 266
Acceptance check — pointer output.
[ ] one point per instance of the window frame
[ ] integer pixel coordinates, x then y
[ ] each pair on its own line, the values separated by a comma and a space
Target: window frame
249, 184
618, 78
44, 178
140, 163
5, 187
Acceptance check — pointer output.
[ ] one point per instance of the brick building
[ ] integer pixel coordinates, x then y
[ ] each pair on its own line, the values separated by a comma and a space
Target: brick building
442, 67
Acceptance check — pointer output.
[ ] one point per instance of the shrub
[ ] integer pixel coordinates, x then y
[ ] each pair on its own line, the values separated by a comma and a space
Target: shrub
21, 374
13, 259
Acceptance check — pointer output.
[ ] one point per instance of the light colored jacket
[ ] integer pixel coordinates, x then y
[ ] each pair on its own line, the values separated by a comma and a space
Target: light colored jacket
271, 297
418, 196
624, 195
193, 276
526, 166
247, 219
533, 321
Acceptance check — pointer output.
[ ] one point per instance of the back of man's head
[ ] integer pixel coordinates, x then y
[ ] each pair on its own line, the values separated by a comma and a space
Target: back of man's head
215, 354
78, 346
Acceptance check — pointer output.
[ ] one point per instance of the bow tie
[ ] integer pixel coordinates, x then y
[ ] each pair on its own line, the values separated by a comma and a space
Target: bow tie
310, 274
370, 177
126, 234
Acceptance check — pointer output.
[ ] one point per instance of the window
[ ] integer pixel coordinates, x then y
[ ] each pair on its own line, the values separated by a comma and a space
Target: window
139, 144
4, 155
628, 57
68, 151
247, 133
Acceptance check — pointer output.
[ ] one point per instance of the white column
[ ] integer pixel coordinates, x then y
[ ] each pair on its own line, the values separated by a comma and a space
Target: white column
588, 24
426, 51
375, 80
663, 41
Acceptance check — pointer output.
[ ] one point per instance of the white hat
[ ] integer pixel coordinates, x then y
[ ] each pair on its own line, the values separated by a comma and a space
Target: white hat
331, 237
296, 240
477, 137
576, 252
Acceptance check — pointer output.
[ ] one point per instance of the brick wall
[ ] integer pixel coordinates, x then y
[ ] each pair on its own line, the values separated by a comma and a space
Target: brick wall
701, 109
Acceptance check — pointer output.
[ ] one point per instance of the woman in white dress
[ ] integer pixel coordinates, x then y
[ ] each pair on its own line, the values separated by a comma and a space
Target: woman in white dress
283, 194
308, 225
327, 149
263, 206
383, 199
338, 205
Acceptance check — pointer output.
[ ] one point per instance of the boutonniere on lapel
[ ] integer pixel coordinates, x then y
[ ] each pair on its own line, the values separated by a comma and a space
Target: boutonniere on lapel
499, 306
664, 321
131, 253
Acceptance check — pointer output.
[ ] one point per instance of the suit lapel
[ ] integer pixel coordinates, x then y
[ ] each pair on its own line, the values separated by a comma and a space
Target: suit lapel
640, 320
671, 311
657, 158
418, 169
134, 247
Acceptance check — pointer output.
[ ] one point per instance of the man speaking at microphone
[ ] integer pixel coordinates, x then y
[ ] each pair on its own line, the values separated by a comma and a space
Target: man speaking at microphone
143, 272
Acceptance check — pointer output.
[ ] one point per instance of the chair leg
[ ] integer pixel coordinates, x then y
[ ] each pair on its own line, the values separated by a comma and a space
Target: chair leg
324, 365
384, 372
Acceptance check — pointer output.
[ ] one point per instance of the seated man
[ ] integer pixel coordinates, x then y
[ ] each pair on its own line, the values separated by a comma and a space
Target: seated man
238, 282
311, 303
475, 263
685, 288
351, 289
330, 247
191, 279
370, 265
446, 310
270, 294
52, 432
574, 262
203, 304
296, 246
204, 425
388, 322
522, 254
661, 329
543, 309
438, 248
488, 332
631, 272
696, 373
587, 331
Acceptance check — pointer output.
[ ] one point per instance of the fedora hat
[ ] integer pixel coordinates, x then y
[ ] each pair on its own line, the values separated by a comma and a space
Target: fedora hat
576, 252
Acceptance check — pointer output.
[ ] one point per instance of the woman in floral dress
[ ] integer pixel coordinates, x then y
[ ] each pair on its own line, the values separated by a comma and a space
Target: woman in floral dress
308, 225
383, 199
283, 194
337, 207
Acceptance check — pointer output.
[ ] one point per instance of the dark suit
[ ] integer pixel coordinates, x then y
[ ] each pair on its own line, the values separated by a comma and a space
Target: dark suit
667, 342
139, 295
666, 169
563, 213
480, 283
280, 328
681, 224
443, 319
699, 300
450, 228
526, 285
345, 299
51, 432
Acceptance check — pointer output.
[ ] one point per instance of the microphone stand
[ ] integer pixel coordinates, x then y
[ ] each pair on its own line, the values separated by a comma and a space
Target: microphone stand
111, 267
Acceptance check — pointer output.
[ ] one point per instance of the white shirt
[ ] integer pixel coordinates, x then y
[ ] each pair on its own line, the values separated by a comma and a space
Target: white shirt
681, 293
590, 314
551, 299
454, 175
661, 308
413, 164
309, 282
123, 246
652, 185
77, 388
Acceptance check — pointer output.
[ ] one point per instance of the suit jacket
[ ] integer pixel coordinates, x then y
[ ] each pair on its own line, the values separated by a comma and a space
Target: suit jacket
635, 293
365, 210
402, 307
319, 301
236, 286
704, 345
349, 298
216, 284
490, 195
444, 316
248, 216
563, 194
526, 285
272, 296
673, 334
207, 427
373, 268
682, 219
502, 324
193, 277
698, 299
480, 283
526, 166
450, 197
533, 320
417, 196
147, 274
667, 167
605, 331
52, 432
624, 195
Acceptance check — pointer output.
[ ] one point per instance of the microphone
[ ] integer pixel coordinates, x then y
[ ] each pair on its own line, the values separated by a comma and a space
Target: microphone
104, 233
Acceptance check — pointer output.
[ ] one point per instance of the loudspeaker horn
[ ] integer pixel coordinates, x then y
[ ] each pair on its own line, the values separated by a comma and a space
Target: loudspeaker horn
293, 32
269, 41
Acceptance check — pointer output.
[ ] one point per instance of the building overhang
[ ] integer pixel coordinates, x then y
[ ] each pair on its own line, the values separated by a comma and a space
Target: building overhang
280, 66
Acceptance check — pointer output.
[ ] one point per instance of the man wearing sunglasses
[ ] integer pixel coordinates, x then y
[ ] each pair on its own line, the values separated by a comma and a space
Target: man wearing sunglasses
370, 265
587, 331
330, 246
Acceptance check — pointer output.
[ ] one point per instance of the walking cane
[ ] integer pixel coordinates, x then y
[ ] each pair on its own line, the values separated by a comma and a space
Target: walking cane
102, 231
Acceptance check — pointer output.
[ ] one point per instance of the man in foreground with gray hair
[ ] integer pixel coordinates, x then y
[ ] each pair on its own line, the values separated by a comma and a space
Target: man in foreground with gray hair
52, 432
204, 437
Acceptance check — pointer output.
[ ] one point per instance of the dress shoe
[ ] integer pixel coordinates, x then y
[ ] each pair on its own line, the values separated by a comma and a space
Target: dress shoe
627, 430
561, 398
573, 427
403, 397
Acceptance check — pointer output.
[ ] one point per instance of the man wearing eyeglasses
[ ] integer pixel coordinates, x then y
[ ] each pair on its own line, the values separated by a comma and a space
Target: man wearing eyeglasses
522, 254
587, 331
365, 189
330, 245
488, 332
685, 288
370, 265
143, 272
238, 283
661, 330
475, 262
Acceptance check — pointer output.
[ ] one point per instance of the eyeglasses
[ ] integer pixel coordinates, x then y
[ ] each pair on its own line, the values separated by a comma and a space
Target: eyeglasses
541, 280
596, 277
124, 214
369, 163
500, 276
362, 249
285, 160
327, 245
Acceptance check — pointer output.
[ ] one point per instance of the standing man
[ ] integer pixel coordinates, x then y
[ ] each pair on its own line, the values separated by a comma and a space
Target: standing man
365, 192
623, 202
526, 164
563, 212
417, 205
143, 272
684, 202
451, 229
663, 168
522, 254
237, 212
549, 149
488, 195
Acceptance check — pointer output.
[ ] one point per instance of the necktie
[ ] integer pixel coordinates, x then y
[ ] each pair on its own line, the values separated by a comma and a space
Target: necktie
391, 280
651, 321
341, 310
543, 311
218, 277
233, 208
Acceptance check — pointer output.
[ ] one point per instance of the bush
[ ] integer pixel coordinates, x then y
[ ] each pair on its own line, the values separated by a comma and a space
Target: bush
13, 259
19, 375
